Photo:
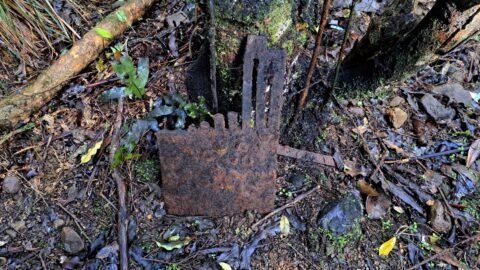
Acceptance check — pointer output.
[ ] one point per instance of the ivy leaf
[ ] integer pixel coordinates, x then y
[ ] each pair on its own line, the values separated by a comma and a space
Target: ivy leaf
284, 226
91, 152
103, 33
225, 266
121, 16
387, 247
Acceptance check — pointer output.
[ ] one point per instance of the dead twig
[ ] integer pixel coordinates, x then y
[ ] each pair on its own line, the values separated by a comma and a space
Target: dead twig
434, 155
9, 135
445, 251
76, 221
316, 54
331, 90
288, 205
213, 69
121, 188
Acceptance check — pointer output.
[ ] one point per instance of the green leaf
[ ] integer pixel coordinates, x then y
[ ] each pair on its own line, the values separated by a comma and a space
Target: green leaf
121, 16
103, 33
225, 266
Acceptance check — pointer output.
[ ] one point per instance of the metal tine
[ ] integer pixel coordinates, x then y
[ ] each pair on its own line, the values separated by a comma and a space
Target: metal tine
277, 58
260, 120
219, 121
255, 46
232, 120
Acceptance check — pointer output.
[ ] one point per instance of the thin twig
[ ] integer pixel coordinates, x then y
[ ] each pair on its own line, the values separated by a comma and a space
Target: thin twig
316, 54
331, 90
288, 205
7, 136
445, 251
434, 155
122, 202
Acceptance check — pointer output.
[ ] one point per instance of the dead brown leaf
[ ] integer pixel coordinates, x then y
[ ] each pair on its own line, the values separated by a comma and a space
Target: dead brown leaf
473, 153
366, 189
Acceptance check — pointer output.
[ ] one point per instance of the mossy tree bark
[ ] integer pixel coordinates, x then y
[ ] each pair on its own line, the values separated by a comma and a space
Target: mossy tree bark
394, 44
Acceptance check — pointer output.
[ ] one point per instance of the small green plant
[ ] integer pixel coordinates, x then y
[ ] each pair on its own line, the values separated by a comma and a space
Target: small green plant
386, 224
452, 158
413, 228
196, 110
285, 193
172, 267
424, 245
473, 207
338, 242
135, 80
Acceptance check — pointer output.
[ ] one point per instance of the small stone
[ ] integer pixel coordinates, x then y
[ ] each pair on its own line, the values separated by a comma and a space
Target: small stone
11, 233
397, 101
455, 92
357, 111
340, 216
58, 223
397, 117
18, 226
441, 221
72, 242
297, 180
11, 184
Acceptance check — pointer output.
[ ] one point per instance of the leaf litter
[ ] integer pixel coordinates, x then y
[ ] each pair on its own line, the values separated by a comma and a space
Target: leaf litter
441, 110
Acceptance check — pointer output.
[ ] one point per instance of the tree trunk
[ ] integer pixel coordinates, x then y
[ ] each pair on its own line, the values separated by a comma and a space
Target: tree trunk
394, 45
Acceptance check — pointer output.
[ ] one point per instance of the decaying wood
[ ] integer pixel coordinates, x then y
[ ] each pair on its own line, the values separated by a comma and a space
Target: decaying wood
21, 105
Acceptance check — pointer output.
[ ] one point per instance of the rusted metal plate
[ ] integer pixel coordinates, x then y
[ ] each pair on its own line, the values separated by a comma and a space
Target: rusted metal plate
231, 167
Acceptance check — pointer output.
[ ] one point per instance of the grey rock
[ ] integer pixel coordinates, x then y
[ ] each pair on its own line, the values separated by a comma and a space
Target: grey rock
58, 223
11, 233
455, 93
357, 111
341, 215
72, 242
297, 180
11, 184
436, 109
18, 226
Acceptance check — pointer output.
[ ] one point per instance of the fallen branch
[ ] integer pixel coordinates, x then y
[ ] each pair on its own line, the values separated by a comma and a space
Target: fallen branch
122, 201
19, 106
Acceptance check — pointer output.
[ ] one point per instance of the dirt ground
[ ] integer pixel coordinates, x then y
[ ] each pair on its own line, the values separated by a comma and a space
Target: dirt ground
392, 136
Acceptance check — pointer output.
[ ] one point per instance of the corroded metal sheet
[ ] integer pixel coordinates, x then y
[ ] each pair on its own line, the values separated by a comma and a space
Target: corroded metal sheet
230, 167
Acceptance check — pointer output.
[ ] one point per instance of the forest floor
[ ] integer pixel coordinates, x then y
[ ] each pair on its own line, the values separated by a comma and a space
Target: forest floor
411, 146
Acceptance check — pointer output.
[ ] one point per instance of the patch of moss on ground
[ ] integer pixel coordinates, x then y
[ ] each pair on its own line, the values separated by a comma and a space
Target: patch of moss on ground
147, 170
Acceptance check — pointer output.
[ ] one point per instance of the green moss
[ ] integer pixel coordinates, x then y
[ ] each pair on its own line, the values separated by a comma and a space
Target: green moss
148, 170
278, 20
289, 46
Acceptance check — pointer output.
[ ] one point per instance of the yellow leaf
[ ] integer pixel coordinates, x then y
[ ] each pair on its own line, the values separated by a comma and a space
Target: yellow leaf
284, 226
225, 266
91, 152
387, 247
